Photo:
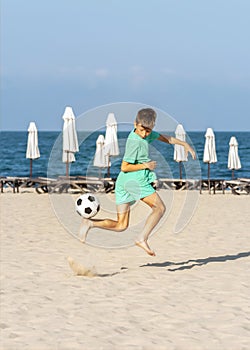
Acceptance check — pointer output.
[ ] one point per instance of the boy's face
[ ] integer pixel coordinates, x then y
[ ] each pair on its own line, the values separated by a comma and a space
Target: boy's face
142, 131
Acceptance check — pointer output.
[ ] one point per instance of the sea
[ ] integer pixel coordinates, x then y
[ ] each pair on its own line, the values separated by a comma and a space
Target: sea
14, 163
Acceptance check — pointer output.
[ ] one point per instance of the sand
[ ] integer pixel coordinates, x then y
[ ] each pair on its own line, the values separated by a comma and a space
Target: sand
194, 294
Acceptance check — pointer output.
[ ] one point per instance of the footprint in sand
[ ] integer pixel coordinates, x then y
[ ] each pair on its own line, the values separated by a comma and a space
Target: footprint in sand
80, 270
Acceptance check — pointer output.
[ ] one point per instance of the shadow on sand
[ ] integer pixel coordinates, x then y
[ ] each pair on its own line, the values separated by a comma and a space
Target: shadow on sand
197, 262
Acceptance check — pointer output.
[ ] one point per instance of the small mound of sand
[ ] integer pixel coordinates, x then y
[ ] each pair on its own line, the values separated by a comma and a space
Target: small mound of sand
80, 270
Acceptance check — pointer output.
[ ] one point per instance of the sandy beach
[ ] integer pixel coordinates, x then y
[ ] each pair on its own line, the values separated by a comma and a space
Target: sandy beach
194, 294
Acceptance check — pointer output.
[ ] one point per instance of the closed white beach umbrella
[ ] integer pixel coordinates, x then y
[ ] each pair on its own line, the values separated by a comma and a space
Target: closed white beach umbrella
111, 141
32, 151
209, 155
100, 158
179, 151
233, 156
70, 141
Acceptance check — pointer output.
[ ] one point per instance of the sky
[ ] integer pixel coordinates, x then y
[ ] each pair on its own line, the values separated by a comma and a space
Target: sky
190, 59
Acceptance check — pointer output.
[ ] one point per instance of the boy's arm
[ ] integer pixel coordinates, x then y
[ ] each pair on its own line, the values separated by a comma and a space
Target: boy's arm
128, 167
174, 141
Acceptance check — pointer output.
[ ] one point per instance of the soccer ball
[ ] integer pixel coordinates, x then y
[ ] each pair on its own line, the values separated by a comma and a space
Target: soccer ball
87, 205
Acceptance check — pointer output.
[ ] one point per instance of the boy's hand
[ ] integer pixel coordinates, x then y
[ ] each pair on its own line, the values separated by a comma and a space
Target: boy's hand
190, 150
150, 165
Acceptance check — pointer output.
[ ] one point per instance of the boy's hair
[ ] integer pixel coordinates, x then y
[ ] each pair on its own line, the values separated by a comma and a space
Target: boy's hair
146, 117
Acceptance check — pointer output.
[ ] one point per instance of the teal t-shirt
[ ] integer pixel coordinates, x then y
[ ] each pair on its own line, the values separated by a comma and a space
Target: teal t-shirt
134, 185
137, 148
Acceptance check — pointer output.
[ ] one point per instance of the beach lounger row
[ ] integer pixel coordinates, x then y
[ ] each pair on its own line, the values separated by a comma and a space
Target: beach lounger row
71, 184
211, 185
83, 184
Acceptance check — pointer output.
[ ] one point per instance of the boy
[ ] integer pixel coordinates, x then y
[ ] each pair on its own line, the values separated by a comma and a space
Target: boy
135, 180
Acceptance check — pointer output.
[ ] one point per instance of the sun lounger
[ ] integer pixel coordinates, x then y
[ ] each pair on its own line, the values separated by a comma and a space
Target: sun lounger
39, 183
212, 185
177, 184
12, 182
239, 186
74, 185
79, 184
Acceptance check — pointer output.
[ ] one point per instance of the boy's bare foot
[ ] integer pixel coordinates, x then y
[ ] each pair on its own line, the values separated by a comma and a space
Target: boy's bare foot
144, 245
84, 229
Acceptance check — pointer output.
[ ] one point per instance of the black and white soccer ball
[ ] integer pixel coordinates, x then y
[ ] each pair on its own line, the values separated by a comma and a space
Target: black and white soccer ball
87, 205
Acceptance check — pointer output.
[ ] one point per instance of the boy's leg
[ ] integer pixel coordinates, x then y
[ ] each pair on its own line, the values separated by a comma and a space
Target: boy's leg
158, 209
123, 211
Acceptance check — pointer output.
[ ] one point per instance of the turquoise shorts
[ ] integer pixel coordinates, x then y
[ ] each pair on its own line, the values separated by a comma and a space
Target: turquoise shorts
131, 187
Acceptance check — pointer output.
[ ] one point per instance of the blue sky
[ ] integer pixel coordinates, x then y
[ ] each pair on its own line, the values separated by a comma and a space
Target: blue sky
190, 59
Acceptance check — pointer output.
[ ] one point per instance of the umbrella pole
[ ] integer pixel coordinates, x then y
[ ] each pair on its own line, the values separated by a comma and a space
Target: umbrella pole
108, 174
67, 164
30, 167
180, 166
232, 174
208, 176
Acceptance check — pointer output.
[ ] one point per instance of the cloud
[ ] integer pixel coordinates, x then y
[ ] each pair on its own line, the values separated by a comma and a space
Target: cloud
168, 71
138, 75
101, 73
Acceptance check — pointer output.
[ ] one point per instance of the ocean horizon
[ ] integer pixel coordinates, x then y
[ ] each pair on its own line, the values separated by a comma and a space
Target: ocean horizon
14, 163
